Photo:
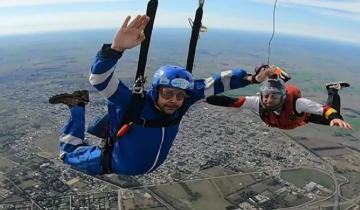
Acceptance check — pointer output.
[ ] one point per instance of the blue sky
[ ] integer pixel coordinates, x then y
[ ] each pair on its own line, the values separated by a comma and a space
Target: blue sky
334, 19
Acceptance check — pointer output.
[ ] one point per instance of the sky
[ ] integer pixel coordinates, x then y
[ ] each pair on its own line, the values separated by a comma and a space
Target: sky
330, 19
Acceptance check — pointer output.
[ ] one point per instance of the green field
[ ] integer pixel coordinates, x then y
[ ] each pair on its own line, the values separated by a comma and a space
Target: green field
231, 184
352, 189
300, 177
27, 184
5, 164
195, 195
203, 194
215, 172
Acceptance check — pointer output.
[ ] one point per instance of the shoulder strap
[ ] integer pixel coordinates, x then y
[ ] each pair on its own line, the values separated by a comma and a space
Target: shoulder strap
194, 36
157, 123
137, 100
144, 48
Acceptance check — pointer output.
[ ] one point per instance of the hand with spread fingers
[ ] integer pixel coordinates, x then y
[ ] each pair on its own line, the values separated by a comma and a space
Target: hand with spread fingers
340, 123
130, 34
264, 73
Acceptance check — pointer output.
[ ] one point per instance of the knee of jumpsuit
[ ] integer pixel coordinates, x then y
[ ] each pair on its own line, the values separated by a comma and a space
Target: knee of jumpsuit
85, 158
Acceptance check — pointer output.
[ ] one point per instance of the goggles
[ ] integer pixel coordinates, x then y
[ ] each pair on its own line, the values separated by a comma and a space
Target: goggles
271, 95
168, 93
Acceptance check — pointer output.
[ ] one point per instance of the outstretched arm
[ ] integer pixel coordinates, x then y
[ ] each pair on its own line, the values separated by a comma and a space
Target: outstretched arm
248, 102
221, 100
233, 79
128, 36
327, 115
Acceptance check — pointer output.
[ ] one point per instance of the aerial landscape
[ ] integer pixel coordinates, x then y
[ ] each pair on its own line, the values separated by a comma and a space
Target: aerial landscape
222, 158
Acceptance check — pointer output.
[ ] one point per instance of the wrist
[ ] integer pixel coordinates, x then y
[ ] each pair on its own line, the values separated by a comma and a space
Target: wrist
254, 80
117, 48
108, 52
334, 116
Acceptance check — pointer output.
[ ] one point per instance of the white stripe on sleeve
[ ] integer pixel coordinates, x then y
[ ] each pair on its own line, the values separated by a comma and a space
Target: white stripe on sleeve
96, 79
69, 139
304, 105
226, 78
209, 86
110, 88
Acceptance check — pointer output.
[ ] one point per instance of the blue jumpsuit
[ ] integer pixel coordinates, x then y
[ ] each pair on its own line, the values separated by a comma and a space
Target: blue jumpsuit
142, 149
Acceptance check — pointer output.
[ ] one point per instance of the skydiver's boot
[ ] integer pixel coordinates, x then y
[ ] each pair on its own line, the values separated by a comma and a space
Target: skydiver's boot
79, 97
333, 99
336, 85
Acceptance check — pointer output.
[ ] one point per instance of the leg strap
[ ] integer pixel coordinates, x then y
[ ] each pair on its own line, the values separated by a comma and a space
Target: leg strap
106, 155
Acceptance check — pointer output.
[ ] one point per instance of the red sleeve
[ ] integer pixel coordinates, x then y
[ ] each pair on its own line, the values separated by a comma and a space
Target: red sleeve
239, 102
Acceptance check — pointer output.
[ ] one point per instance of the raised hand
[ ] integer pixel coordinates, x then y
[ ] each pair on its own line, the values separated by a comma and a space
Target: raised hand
264, 73
340, 123
130, 34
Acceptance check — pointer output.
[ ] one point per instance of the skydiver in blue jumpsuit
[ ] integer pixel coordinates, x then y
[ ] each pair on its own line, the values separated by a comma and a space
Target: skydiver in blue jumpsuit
142, 149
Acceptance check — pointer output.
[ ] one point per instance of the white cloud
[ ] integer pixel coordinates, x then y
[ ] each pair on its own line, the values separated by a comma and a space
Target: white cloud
311, 30
61, 22
343, 5
15, 3
96, 20
301, 29
349, 6
342, 15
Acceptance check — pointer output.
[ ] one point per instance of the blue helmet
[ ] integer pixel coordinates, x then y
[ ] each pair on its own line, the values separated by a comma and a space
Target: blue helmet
173, 76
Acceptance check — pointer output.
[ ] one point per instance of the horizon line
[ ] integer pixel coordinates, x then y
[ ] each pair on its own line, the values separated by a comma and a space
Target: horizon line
330, 39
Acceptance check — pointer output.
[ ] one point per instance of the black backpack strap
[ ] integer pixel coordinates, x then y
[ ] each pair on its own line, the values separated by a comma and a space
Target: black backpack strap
132, 112
136, 104
194, 36
106, 154
144, 48
137, 101
157, 123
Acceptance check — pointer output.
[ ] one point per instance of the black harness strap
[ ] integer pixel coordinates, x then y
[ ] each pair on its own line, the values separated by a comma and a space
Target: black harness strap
194, 36
144, 48
137, 101
106, 155
157, 123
